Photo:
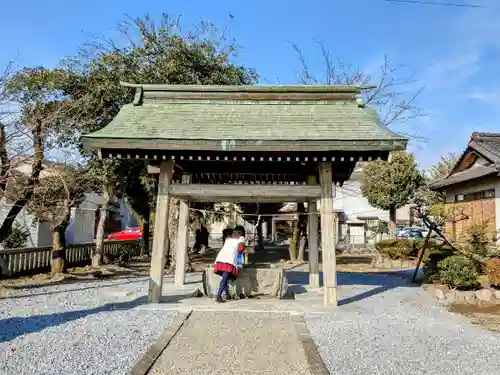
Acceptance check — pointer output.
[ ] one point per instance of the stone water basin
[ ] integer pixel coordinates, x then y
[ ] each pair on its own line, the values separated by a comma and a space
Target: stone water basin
255, 280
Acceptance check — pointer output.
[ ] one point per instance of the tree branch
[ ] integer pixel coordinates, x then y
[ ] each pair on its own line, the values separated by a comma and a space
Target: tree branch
394, 97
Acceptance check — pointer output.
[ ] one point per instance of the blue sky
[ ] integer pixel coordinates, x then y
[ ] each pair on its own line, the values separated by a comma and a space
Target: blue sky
454, 52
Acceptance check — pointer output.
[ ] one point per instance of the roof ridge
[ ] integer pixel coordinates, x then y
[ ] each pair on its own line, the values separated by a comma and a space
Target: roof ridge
485, 134
251, 88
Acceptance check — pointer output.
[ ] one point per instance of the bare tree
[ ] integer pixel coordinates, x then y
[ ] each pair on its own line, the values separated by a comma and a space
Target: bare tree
5, 75
5, 111
63, 188
394, 94
37, 93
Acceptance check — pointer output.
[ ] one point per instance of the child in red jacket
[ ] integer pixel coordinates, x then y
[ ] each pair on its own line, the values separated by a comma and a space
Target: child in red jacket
226, 263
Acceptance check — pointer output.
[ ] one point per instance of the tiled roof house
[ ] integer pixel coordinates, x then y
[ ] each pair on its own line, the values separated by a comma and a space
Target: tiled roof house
475, 182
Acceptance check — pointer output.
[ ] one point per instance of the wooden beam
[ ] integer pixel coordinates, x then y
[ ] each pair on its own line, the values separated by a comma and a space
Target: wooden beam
328, 234
313, 239
160, 239
182, 238
421, 253
261, 163
245, 193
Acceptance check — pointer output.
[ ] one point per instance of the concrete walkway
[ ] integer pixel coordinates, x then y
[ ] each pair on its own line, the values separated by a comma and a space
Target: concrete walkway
225, 342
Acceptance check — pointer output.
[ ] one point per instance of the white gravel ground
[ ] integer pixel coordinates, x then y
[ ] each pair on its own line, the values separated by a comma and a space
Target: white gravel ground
382, 327
83, 328
400, 331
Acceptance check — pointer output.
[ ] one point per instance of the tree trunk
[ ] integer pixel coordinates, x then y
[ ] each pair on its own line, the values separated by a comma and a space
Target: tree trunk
4, 159
173, 229
58, 264
295, 240
302, 247
260, 238
145, 243
99, 240
302, 230
392, 221
189, 265
173, 223
37, 166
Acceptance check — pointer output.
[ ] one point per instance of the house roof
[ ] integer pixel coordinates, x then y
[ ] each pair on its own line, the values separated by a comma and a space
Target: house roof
467, 175
367, 217
24, 165
246, 118
487, 145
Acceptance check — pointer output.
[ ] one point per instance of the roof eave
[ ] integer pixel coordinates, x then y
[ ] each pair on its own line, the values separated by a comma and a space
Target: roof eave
251, 88
443, 184
90, 142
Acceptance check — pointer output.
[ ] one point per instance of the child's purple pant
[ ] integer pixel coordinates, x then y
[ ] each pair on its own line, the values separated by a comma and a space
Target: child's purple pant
223, 286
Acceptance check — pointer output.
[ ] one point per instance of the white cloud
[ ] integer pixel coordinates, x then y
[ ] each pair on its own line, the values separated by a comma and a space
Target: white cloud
488, 97
451, 70
455, 75
469, 36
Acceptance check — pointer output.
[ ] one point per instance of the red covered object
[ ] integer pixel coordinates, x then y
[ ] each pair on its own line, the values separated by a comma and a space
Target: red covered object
126, 234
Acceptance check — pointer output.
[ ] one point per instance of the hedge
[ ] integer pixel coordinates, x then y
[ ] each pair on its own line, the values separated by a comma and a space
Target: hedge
405, 249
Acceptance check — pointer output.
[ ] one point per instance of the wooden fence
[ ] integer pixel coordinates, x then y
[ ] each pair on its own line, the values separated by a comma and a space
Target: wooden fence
37, 259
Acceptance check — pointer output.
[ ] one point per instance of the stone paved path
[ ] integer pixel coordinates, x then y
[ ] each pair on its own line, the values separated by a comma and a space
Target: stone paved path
226, 342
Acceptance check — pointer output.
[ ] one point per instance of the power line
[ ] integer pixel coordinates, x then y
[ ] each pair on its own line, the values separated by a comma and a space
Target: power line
446, 4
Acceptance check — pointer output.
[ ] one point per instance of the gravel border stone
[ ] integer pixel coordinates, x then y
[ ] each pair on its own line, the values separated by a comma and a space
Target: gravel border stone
452, 295
316, 364
394, 264
148, 359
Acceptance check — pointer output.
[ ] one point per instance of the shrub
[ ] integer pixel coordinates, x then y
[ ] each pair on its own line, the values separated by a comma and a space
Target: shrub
478, 238
493, 271
17, 238
437, 253
396, 249
387, 243
127, 251
381, 227
432, 256
404, 249
457, 272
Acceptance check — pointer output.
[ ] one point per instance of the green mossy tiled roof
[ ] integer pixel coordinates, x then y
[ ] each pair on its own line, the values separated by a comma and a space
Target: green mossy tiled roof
260, 122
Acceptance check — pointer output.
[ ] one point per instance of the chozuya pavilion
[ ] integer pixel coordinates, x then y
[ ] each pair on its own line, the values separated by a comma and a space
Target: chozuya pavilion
247, 144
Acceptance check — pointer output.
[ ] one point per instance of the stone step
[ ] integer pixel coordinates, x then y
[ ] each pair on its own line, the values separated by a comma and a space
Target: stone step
222, 342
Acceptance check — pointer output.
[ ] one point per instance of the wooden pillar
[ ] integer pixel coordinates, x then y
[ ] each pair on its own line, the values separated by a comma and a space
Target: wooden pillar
160, 239
328, 234
182, 238
312, 228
